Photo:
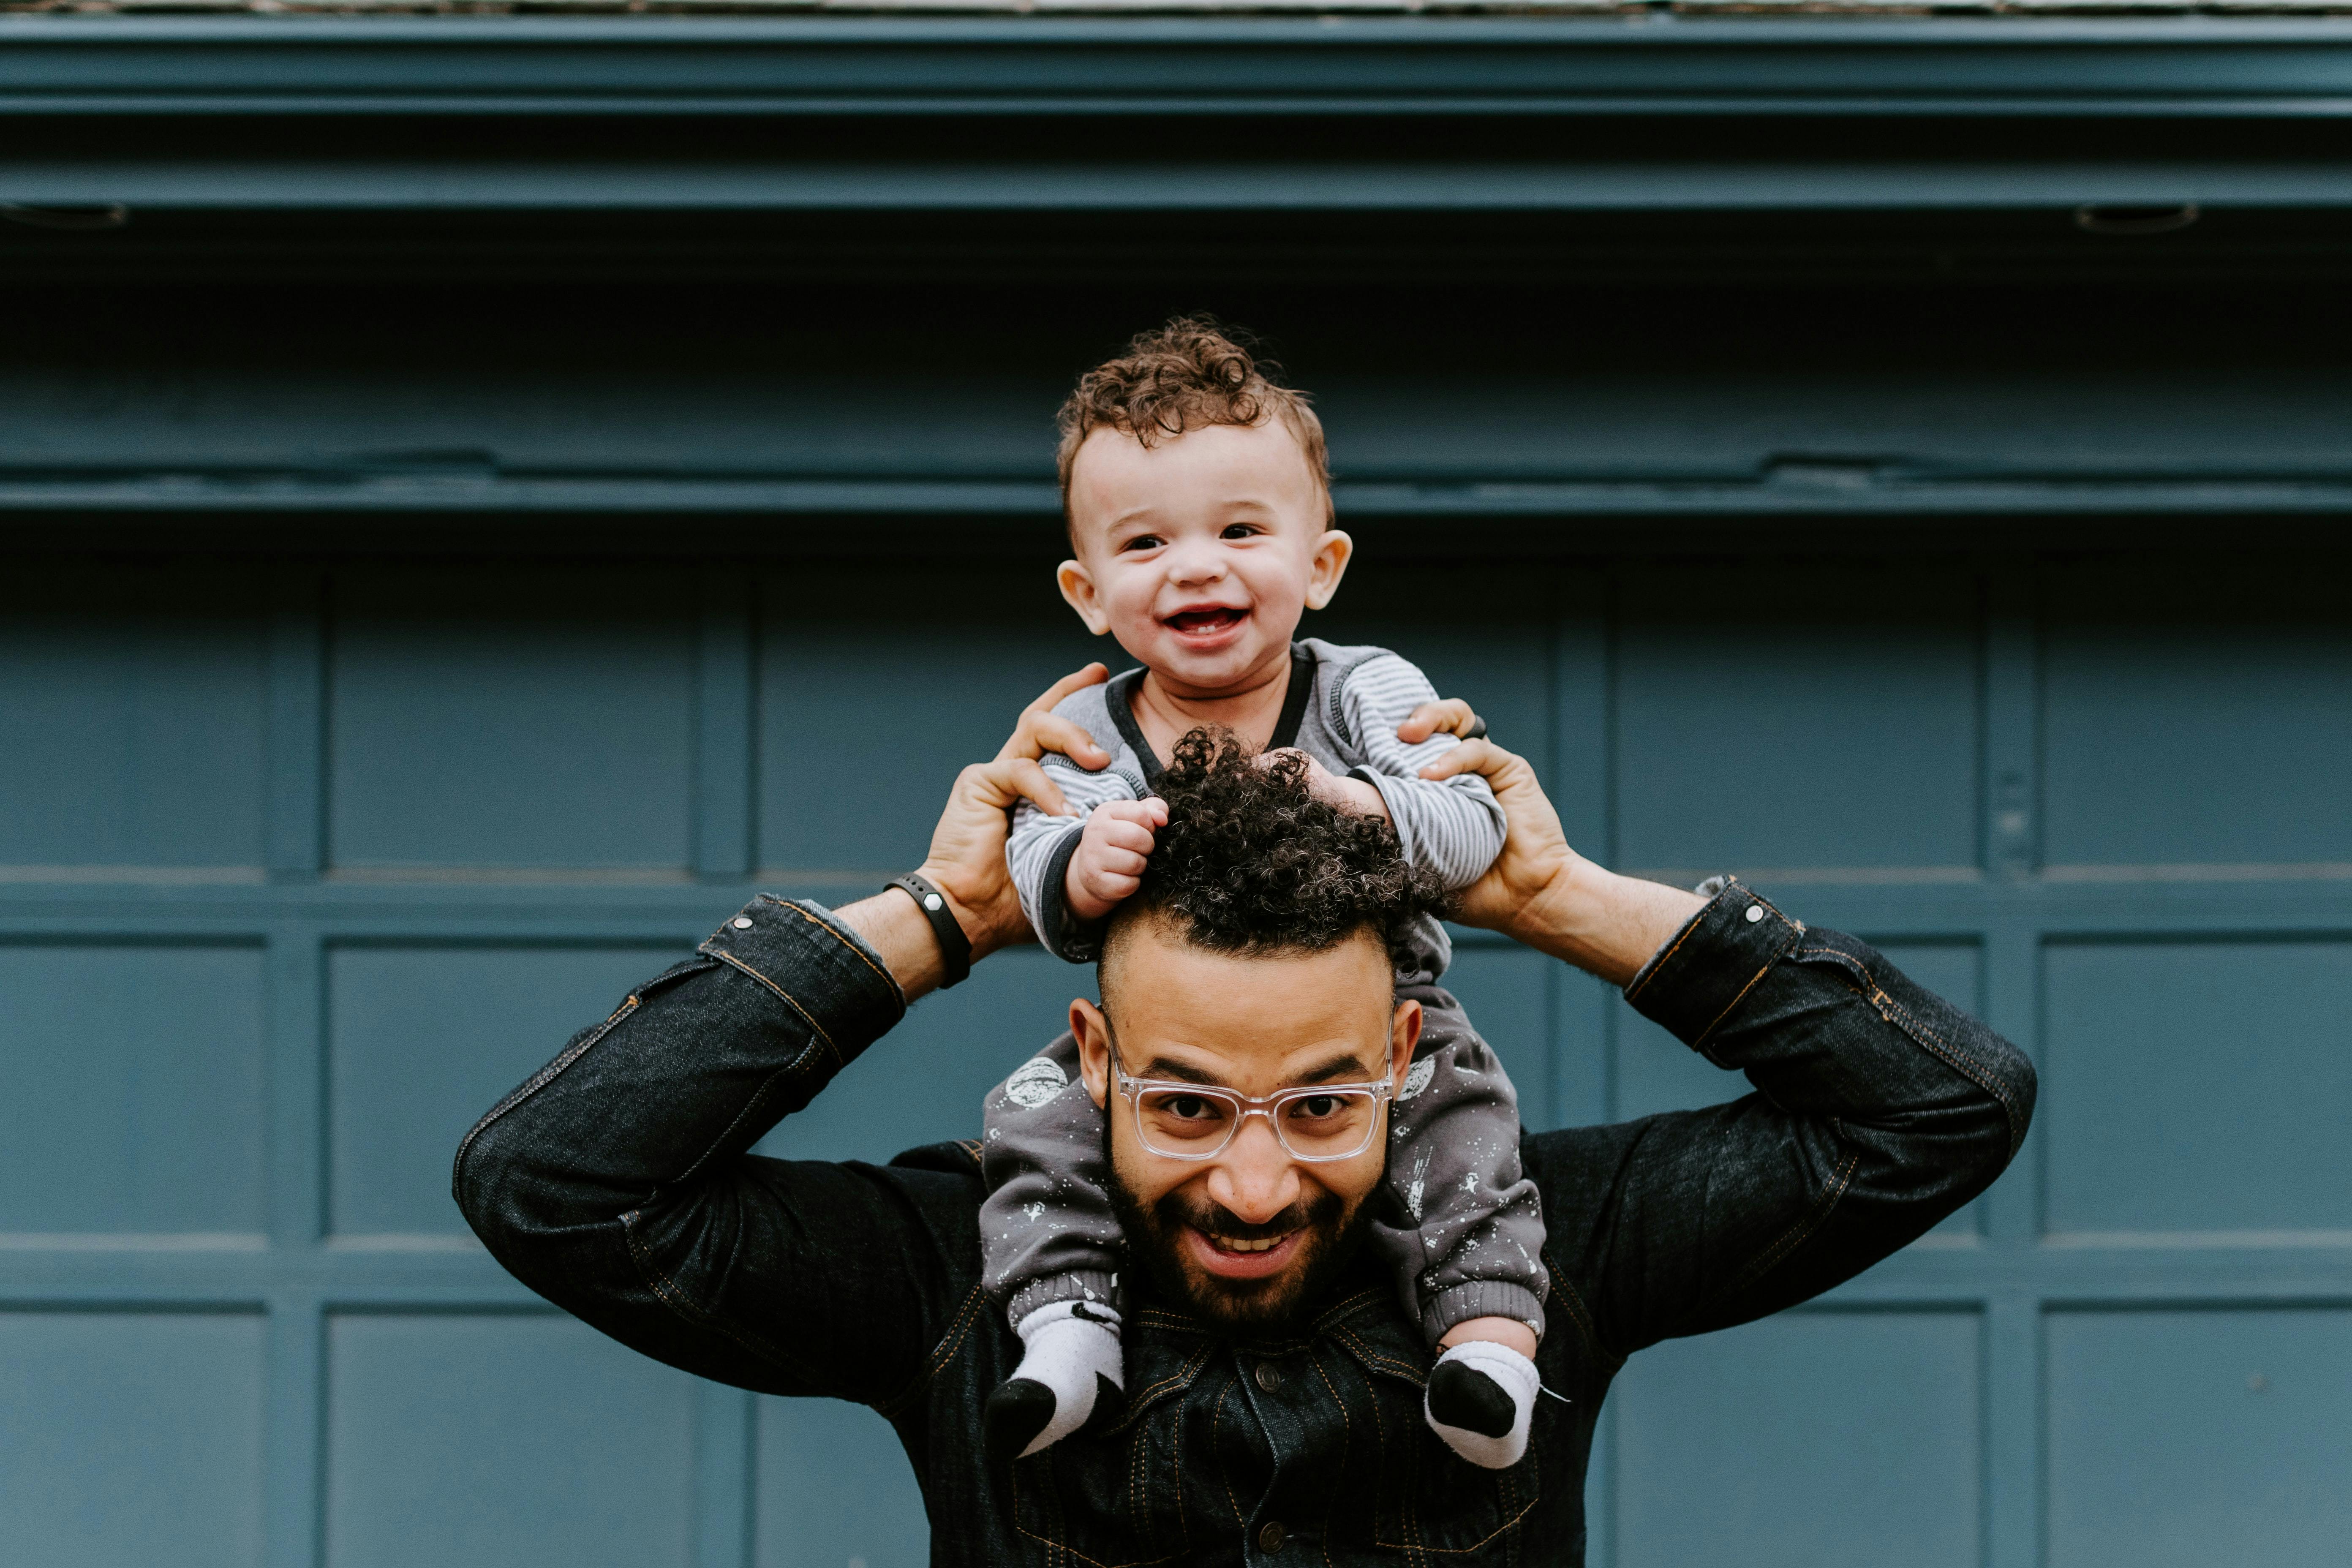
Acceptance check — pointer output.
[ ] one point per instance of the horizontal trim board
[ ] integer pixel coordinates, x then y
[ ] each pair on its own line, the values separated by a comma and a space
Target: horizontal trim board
451, 1279
556, 499
448, 915
294, 185
1637, 63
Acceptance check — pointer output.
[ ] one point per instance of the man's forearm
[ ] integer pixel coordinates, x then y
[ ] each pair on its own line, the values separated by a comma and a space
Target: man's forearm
894, 928
1602, 922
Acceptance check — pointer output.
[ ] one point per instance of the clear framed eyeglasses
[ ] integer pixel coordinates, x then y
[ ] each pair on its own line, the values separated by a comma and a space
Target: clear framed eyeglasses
1179, 1120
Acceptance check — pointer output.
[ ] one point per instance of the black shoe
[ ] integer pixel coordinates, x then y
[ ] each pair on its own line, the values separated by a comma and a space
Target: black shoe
1110, 1403
1462, 1396
1016, 1413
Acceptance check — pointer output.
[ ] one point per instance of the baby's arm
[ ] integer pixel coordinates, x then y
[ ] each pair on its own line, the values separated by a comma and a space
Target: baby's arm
1444, 827
1044, 851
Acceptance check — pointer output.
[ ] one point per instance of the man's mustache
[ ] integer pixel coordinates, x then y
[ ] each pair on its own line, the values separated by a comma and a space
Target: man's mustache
1208, 1216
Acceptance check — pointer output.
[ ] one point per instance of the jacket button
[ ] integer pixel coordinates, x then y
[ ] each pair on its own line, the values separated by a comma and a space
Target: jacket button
1754, 913
1271, 1537
741, 922
1269, 1380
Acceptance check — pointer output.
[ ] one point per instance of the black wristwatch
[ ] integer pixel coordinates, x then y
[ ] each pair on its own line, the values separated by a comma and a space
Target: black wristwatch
955, 947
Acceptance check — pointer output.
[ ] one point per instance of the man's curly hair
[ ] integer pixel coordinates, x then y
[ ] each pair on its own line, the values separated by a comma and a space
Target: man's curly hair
1252, 862
1191, 373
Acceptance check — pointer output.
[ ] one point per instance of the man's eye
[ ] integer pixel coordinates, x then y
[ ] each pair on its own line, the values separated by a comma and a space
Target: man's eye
1316, 1107
1190, 1107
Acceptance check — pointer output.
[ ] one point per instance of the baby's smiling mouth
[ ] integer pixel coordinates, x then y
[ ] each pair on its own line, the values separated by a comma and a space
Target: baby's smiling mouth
1205, 618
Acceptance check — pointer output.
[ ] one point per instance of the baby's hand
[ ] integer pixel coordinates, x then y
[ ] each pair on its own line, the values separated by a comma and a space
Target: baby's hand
1109, 866
1347, 794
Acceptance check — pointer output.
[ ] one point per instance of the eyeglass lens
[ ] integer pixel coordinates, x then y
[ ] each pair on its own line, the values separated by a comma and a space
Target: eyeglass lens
1188, 1122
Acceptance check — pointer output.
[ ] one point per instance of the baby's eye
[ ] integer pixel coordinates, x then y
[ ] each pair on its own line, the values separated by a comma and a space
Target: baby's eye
1142, 541
1241, 531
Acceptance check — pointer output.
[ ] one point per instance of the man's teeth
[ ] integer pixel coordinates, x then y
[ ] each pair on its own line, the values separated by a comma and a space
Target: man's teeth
1231, 1244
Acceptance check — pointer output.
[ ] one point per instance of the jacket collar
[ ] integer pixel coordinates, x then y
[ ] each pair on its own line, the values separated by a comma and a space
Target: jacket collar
1167, 1347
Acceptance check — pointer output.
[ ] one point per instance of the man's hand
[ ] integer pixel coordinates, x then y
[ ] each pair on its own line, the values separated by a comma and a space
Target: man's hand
1543, 893
966, 861
1108, 865
1536, 862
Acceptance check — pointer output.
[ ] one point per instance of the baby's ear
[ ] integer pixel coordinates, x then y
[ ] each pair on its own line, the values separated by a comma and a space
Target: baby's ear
1077, 585
1332, 553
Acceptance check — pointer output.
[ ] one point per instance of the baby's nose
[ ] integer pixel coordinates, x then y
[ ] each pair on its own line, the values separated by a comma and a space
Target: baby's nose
1195, 563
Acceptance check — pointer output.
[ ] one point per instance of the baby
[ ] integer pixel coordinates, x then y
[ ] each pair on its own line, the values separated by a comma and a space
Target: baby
1200, 516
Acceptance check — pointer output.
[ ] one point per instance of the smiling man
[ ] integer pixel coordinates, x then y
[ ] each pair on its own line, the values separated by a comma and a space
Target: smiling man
1254, 1061
1244, 1138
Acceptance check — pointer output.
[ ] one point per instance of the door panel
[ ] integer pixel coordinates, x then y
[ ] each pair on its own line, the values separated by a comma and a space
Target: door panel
237, 1077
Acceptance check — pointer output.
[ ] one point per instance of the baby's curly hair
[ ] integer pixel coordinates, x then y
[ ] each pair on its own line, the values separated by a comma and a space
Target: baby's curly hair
1252, 862
1193, 371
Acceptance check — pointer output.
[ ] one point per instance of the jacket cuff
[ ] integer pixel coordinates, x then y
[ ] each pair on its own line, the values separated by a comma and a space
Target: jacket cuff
1063, 934
1699, 978
820, 968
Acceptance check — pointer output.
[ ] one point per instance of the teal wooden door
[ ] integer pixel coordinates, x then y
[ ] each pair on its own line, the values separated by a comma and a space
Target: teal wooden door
307, 861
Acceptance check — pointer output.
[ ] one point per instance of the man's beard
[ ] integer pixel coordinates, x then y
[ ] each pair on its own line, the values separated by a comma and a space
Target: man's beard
1243, 1308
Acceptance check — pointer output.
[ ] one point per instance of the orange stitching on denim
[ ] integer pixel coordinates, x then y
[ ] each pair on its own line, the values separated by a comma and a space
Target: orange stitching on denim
1954, 1057
1797, 1234
759, 1097
1064, 1546
1744, 990
540, 1080
1950, 1055
1352, 1304
1182, 1375
1480, 1545
1410, 1373
726, 957
673, 1296
958, 1331
887, 977
1216, 1417
949, 1343
1700, 1038
1347, 1441
1657, 967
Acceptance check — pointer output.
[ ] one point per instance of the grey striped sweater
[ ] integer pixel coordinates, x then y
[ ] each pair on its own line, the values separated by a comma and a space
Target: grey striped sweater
1343, 709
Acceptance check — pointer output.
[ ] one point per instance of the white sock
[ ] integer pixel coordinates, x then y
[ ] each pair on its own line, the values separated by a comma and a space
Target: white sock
1509, 1373
1066, 1346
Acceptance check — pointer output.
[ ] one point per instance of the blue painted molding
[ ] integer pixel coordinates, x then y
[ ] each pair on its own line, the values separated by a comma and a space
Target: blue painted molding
1332, 66
516, 499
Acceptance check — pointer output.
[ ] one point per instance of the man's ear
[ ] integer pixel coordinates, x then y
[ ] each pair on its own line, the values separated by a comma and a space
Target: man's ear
1332, 553
1404, 1032
1093, 1030
1078, 586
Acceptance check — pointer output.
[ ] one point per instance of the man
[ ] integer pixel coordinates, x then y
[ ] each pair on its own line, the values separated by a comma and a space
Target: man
1272, 1403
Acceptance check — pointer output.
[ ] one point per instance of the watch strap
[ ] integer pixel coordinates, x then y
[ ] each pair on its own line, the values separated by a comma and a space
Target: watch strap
955, 947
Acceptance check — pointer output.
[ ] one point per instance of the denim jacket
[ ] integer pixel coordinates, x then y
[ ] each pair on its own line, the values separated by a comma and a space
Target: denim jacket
615, 1182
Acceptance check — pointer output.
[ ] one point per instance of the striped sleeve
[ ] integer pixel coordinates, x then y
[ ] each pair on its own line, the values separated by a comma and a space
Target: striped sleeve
1452, 826
1038, 852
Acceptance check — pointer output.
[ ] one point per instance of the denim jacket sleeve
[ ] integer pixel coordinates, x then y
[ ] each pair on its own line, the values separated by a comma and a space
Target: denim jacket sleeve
616, 1182
1878, 1109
